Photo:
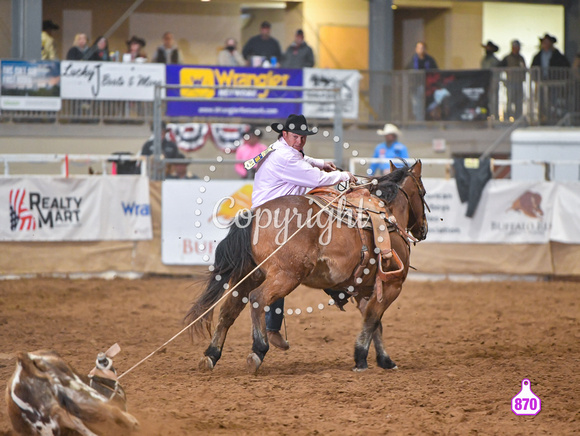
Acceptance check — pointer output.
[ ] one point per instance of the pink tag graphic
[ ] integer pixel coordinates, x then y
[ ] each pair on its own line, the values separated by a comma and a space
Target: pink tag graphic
526, 402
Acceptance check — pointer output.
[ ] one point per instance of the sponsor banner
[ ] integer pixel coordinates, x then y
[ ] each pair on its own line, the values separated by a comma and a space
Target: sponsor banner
457, 95
508, 212
195, 216
347, 80
232, 77
75, 209
30, 85
110, 80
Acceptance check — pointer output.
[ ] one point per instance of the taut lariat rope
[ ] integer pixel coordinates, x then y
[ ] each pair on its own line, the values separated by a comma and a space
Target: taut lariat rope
234, 287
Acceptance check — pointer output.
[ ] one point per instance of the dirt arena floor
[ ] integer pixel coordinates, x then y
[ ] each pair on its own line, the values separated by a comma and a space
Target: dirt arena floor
462, 351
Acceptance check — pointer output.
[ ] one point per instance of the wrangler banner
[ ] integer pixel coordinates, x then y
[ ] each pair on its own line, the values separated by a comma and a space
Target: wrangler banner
75, 209
229, 83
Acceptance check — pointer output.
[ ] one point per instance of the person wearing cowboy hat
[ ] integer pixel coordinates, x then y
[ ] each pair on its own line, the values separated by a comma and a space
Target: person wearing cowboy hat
135, 51
549, 56
48, 52
286, 170
390, 149
489, 60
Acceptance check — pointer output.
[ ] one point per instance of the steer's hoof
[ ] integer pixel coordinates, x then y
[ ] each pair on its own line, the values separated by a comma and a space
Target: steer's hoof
205, 364
253, 363
357, 369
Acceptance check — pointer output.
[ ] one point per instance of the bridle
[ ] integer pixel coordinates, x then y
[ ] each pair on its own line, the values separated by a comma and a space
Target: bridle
422, 192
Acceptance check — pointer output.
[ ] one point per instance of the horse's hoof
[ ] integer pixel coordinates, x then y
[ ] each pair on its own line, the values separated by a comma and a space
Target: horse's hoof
253, 363
205, 364
385, 362
357, 369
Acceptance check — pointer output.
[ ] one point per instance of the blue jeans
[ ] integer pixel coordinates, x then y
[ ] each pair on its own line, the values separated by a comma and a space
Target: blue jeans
273, 319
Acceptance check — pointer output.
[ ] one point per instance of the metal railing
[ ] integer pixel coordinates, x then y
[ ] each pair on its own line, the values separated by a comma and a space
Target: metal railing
543, 97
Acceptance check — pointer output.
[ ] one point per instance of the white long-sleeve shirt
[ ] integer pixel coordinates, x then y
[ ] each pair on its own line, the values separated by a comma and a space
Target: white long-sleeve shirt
285, 171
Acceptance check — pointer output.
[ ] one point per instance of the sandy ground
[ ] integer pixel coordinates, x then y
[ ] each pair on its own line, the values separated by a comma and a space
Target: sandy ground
462, 351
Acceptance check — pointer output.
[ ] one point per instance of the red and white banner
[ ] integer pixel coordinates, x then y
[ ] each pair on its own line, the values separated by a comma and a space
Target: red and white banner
75, 209
189, 136
227, 137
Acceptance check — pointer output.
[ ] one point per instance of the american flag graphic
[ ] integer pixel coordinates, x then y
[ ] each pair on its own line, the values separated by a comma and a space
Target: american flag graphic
18, 212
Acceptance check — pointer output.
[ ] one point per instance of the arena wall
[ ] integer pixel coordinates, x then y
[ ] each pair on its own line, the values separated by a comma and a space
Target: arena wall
24, 258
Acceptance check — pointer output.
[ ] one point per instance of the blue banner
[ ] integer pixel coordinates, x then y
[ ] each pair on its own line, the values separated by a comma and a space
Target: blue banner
230, 78
30, 85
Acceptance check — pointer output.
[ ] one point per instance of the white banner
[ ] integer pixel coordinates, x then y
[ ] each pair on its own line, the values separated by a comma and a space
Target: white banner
508, 212
347, 80
110, 80
195, 217
75, 209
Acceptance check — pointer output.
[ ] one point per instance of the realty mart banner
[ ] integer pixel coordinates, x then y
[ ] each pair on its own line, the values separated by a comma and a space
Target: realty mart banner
30, 85
230, 78
508, 212
75, 209
110, 80
346, 80
195, 217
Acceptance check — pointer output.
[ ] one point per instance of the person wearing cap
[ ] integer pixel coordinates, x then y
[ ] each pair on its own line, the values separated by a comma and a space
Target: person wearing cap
489, 60
263, 45
299, 54
286, 170
80, 46
514, 80
390, 149
549, 56
48, 51
250, 148
135, 51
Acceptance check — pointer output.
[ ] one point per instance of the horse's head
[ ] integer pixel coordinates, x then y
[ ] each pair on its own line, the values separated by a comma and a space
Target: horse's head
407, 181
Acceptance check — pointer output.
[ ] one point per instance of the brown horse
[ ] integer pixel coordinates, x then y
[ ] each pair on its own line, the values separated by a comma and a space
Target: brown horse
311, 258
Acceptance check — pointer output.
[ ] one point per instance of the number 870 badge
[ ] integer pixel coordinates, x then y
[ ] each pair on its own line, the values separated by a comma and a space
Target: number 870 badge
526, 402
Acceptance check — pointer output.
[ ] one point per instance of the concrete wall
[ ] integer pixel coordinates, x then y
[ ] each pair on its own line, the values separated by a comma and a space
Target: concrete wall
5, 28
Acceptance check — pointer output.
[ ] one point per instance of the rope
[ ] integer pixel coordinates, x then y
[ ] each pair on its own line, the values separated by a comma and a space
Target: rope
232, 289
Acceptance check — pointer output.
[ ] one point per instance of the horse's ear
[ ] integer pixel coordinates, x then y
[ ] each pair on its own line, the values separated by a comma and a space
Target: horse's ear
393, 167
417, 167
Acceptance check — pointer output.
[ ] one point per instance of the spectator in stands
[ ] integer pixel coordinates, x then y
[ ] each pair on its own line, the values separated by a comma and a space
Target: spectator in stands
420, 61
299, 54
230, 56
99, 51
80, 46
169, 148
514, 80
249, 149
549, 56
168, 53
489, 60
135, 51
48, 51
390, 149
179, 170
262, 49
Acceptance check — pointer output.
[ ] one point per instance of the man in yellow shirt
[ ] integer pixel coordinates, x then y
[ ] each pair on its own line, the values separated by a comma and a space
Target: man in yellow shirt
48, 52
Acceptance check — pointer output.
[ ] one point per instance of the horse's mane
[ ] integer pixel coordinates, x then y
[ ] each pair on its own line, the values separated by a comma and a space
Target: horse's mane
389, 184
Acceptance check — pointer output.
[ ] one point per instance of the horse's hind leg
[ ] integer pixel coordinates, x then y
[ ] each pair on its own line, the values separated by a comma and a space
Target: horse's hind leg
229, 312
383, 359
261, 299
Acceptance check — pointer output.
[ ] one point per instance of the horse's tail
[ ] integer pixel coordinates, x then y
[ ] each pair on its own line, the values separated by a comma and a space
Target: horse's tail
233, 260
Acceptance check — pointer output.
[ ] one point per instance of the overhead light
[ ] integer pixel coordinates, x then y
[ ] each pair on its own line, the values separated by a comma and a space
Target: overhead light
268, 5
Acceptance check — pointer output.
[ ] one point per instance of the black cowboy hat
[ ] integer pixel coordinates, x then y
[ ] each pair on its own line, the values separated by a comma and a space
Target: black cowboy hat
490, 46
294, 124
49, 25
136, 39
550, 37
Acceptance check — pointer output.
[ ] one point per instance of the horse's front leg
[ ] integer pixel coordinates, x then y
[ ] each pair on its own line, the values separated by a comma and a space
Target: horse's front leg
229, 312
372, 314
260, 340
